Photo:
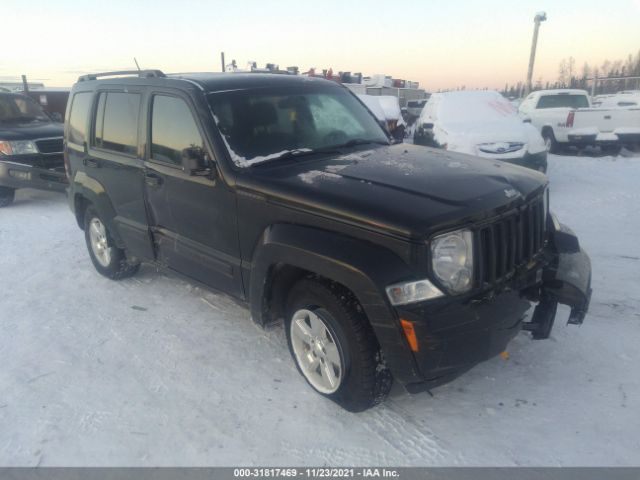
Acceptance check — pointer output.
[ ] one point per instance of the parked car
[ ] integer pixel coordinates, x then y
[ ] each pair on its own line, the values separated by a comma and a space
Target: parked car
480, 123
620, 100
387, 110
385, 261
566, 118
414, 107
30, 148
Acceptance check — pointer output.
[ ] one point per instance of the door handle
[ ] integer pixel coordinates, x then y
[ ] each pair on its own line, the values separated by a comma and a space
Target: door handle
90, 162
153, 180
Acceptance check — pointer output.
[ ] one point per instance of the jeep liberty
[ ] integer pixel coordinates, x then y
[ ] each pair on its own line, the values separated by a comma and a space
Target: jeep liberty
384, 261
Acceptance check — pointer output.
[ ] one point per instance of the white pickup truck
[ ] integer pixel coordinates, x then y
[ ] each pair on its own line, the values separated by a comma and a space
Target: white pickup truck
567, 118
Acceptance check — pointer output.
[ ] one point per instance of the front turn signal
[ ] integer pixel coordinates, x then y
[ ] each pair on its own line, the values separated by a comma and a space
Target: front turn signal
410, 334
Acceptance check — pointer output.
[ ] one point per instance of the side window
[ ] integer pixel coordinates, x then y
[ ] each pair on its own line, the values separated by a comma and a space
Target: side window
173, 129
80, 106
116, 126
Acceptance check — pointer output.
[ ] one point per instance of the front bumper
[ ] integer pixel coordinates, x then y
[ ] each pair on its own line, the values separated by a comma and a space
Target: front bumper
455, 336
20, 175
619, 139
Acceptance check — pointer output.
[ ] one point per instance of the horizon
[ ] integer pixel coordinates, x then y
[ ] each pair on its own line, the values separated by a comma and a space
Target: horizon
489, 43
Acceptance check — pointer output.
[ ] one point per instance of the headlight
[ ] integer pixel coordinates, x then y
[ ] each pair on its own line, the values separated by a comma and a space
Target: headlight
17, 147
411, 292
452, 260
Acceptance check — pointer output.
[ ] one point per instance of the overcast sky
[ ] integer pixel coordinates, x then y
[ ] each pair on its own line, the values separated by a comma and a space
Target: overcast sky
441, 44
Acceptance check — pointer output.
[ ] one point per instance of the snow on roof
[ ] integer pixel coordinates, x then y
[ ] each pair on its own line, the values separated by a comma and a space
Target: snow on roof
562, 91
384, 107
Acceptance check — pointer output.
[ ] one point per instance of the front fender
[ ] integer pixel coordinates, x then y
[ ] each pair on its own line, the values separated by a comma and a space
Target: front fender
362, 267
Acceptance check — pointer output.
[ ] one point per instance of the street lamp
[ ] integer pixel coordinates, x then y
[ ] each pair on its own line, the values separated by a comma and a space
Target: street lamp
540, 17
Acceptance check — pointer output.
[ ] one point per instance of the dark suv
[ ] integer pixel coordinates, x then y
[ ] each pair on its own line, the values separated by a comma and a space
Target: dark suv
384, 261
30, 148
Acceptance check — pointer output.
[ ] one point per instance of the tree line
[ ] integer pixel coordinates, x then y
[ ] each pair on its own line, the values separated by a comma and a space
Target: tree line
570, 76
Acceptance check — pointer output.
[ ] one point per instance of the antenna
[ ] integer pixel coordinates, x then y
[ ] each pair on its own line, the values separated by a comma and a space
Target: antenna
137, 66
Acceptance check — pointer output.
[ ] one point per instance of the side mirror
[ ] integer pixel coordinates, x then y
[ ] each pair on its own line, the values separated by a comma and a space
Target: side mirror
195, 161
56, 117
526, 120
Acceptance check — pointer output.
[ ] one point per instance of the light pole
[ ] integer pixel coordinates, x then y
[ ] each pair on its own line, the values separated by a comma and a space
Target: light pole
540, 17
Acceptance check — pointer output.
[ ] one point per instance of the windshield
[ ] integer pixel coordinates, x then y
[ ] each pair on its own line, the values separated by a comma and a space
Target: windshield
563, 101
18, 108
272, 123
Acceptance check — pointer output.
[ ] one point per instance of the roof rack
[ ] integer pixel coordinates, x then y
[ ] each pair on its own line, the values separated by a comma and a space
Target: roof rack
139, 73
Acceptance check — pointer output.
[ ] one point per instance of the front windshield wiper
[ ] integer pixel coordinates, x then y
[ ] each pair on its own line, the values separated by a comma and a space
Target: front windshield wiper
360, 141
301, 152
295, 153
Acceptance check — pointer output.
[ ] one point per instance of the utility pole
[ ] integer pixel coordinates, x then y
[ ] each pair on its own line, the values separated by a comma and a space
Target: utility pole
222, 61
539, 18
25, 84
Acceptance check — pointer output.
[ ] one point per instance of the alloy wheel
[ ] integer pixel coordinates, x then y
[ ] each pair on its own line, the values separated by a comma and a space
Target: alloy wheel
316, 351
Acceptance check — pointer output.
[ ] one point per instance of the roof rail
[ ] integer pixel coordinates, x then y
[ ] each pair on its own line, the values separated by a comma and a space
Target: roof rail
139, 73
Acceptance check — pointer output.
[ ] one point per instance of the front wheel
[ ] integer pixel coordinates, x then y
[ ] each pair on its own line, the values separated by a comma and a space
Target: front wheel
334, 347
6, 196
107, 258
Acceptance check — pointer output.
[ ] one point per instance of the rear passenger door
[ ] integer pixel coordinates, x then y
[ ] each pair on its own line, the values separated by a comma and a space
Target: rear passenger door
114, 160
193, 216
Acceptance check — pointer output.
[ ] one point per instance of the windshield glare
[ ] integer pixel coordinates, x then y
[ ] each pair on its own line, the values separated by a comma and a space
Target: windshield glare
20, 108
264, 124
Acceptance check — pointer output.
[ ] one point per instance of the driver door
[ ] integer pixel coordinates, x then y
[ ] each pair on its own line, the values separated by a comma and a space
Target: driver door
193, 216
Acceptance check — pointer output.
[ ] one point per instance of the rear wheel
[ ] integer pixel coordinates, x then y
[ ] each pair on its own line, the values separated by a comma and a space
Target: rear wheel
334, 346
107, 258
6, 196
550, 141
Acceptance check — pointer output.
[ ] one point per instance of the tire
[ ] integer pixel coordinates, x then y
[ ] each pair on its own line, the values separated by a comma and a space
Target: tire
613, 150
550, 141
107, 258
361, 378
7, 195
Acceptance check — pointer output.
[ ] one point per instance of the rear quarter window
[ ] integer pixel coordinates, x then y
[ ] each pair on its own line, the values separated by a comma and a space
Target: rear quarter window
80, 107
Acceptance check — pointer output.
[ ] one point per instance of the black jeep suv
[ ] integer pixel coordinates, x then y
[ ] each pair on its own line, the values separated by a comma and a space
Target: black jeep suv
30, 148
384, 261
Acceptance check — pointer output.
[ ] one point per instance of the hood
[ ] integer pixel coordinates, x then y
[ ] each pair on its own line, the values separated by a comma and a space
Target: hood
30, 131
406, 190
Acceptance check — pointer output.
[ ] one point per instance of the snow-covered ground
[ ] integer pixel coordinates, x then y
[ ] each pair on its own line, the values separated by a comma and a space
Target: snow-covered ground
153, 371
